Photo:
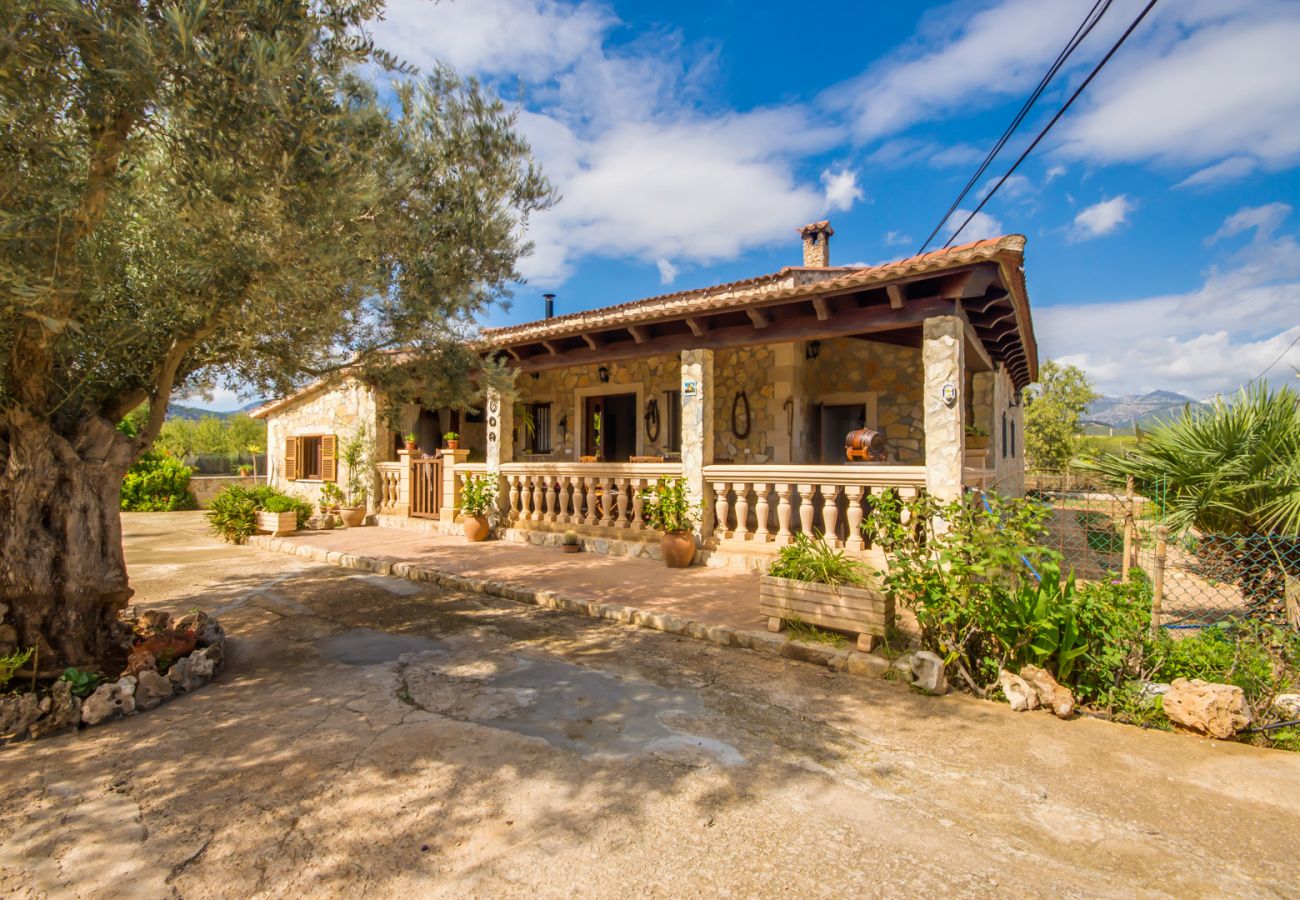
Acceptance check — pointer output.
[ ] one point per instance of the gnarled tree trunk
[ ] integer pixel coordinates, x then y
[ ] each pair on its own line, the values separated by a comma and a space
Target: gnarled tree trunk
62, 571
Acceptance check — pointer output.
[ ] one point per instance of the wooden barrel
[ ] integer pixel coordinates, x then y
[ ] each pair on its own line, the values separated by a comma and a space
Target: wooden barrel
864, 444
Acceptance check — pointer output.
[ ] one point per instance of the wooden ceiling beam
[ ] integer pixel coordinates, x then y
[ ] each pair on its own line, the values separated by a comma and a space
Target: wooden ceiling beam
639, 333
550, 347
590, 341
822, 308
698, 327
760, 317
896, 295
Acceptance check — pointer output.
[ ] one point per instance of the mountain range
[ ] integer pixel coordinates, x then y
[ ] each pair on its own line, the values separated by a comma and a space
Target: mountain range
181, 411
1142, 410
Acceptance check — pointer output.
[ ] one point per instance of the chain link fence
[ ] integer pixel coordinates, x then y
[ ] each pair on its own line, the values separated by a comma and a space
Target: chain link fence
1196, 579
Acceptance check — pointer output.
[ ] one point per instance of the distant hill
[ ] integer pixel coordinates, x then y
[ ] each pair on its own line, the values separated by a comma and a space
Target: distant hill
181, 411
1143, 410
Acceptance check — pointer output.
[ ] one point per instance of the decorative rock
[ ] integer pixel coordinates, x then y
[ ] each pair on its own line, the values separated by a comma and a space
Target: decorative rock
64, 711
903, 667
179, 675
139, 661
109, 700
1288, 705
194, 622
154, 620
1151, 690
860, 663
152, 689
202, 667
1051, 695
18, 712
928, 674
1218, 710
1017, 691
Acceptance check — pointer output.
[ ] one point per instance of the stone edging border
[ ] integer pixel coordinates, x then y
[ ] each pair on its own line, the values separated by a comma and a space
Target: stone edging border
854, 662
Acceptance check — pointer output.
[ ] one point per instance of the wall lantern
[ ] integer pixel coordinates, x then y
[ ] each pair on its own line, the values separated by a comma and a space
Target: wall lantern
603, 374
564, 427
813, 350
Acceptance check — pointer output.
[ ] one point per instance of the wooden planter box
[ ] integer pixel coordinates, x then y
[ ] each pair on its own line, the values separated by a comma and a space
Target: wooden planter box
277, 523
865, 611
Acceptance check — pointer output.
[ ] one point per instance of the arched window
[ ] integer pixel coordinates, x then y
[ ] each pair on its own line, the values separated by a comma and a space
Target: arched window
1004, 434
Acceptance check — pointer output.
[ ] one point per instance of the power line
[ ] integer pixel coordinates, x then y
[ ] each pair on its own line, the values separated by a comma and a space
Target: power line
1060, 112
1085, 28
1274, 362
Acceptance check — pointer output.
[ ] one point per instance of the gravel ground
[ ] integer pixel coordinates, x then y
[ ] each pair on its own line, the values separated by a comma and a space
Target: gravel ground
380, 737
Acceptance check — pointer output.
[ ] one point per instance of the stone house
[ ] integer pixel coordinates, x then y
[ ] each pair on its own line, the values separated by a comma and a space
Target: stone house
747, 390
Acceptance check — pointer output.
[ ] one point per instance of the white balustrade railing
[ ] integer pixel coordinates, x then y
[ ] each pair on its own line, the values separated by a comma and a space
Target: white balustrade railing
390, 485
606, 495
770, 504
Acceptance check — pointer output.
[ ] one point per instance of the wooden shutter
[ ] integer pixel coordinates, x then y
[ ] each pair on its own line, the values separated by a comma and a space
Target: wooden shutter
291, 458
329, 467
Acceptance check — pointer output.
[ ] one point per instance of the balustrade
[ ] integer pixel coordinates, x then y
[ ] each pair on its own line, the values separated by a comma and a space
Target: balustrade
771, 504
606, 495
390, 486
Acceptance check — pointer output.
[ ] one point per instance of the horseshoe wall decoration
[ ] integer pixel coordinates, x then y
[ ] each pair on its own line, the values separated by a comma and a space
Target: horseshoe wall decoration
739, 412
652, 420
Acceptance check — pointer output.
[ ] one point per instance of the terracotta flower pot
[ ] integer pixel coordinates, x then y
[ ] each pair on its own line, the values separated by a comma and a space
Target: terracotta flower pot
352, 516
571, 548
678, 549
453, 445
476, 527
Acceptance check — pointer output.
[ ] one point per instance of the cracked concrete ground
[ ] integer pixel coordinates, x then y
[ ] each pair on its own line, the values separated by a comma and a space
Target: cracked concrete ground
371, 736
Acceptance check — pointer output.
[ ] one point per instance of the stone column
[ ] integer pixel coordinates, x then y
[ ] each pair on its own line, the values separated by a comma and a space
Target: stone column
697, 429
500, 432
943, 360
787, 384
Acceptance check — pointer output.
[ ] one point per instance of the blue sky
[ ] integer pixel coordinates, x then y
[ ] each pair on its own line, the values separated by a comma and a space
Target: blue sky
689, 140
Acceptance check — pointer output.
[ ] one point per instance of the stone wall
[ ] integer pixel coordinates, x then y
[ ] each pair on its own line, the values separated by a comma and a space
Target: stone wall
205, 487
651, 377
747, 369
336, 411
893, 373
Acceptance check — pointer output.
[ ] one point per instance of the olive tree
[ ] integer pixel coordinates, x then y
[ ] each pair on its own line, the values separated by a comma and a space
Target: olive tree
200, 193
1054, 407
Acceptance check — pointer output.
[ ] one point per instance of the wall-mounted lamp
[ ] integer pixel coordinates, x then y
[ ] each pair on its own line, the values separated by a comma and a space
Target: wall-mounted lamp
603, 374
813, 350
1015, 398
564, 427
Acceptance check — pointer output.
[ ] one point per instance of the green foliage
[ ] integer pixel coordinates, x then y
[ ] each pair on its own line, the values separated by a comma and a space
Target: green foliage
157, 483
1231, 469
233, 512
356, 453
1053, 410
804, 631
331, 496
1261, 659
478, 495
234, 437
12, 662
987, 596
667, 508
570, 539
816, 561
451, 436
83, 682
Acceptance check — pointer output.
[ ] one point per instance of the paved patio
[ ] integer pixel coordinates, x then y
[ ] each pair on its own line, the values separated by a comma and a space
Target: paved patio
711, 596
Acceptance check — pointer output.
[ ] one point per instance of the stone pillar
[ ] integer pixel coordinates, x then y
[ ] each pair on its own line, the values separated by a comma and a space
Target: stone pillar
451, 459
943, 359
697, 429
500, 431
786, 442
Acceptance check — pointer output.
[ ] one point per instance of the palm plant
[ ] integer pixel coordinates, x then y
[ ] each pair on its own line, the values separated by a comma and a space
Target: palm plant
1234, 469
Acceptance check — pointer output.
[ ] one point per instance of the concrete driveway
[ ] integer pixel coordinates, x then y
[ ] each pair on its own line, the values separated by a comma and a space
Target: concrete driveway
376, 737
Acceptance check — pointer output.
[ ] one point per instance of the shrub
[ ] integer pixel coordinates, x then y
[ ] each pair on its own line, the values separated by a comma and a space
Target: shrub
157, 483
1261, 659
331, 496
817, 561
478, 494
233, 512
667, 507
11, 663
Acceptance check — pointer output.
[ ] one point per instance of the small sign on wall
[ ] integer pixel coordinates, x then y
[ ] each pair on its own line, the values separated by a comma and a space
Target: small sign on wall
949, 392
690, 388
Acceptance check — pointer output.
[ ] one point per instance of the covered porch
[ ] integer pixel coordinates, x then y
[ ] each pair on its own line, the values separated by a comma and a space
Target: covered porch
747, 391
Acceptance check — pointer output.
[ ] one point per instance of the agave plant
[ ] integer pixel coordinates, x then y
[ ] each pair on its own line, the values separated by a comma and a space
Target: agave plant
1231, 469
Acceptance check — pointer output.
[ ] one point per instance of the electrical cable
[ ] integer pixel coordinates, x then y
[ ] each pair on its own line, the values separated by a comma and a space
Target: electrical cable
1084, 29
1055, 118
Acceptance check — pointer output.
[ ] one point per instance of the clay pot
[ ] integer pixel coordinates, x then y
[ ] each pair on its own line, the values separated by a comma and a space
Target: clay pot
476, 527
571, 548
453, 445
678, 549
352, 516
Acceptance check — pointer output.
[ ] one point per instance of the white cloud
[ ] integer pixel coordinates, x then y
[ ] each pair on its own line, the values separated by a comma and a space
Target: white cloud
981, 226
897, 239
1230, 169
1054, 172
1208, 83
1263, 220
1101, 219
1016, 187
667, 271
1210, 340
841, 187
645, 168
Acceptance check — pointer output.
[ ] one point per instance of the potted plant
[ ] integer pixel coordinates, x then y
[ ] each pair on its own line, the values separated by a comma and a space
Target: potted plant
669, 510
977, 438
452, 440
356, 457
245, 471
477, 496
331, 498
571, 543
409, 441
812, 582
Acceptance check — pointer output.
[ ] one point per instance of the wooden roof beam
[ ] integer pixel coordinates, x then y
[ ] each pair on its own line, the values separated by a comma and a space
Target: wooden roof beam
590, 341
550, 347
896, 295
821, 308
639, 333
698, 327
760, 317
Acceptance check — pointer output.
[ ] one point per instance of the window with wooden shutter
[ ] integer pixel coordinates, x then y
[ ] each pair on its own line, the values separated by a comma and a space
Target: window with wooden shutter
329, 466
291, 458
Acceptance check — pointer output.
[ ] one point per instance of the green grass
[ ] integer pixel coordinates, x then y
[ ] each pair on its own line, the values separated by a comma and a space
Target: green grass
804, 631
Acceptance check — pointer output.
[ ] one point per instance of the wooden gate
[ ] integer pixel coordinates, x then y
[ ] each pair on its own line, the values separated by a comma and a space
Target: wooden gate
426, 487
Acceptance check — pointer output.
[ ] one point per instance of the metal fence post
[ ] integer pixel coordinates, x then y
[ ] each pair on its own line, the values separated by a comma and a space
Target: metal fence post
1158, 588
1127, 562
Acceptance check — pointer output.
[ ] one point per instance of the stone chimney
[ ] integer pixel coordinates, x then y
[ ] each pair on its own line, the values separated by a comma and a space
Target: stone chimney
817, 244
